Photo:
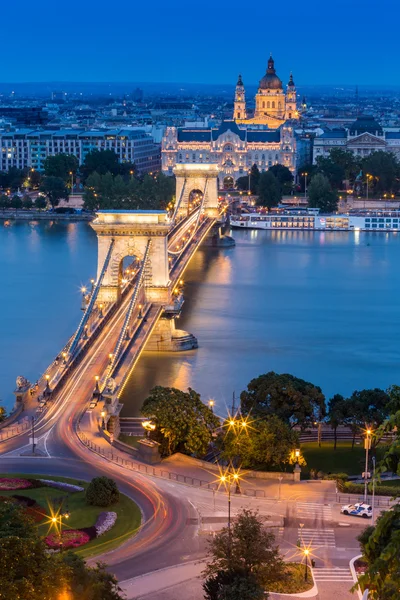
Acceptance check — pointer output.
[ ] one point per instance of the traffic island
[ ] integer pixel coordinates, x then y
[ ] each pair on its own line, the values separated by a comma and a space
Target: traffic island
60, 502
295, 583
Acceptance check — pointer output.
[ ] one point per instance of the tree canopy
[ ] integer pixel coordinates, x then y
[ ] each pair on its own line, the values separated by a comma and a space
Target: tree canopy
105, 161
248, 553
61, 165
263, 444
295, 401
114, 192
54, 189
321, 195
27, 570
284, 177
269, 190
183, 422
242, 183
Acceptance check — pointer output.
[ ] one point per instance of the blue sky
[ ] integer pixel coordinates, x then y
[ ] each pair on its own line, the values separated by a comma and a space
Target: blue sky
211, 41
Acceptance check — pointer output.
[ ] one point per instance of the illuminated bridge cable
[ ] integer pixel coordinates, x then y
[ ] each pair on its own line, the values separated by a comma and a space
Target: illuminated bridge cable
92, 301
178, 252
142, 278
177, 205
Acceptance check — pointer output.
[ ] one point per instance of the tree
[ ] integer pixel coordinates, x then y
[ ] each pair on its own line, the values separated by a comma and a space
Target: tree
16, 202
90, 583
347, 161
333, 172
385, 169
249, 550
3, 413
27, 202
337, 414
284, 176
35, 179
183, 422
61, 165
40, 202
235, 585
380, 547
269, 190
105, 161
321, 195
295, 401
55, 190
4, 201
368, 408
102, 491
27, 570
264, 444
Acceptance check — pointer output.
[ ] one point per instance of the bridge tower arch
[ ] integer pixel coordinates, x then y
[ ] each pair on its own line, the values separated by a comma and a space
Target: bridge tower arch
127, 234
191, 177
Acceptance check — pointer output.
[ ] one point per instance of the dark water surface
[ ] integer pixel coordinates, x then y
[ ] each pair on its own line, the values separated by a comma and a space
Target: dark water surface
323, 306
42, 266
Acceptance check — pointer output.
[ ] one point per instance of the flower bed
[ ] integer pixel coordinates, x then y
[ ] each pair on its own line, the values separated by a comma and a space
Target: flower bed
71, 538
61, 485
12, 483
105, 521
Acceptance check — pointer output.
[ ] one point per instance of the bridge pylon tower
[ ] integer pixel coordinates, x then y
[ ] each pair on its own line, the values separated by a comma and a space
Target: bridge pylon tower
193, 177
131, 231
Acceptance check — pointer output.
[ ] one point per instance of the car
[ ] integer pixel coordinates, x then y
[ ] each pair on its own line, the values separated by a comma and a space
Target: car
360, 509
92, 405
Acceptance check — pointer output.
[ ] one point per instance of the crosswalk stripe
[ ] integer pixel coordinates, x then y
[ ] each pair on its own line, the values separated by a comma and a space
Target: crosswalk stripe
317, 537
332, 574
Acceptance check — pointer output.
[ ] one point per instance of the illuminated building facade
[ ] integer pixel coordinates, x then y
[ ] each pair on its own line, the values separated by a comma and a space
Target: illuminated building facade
233, 149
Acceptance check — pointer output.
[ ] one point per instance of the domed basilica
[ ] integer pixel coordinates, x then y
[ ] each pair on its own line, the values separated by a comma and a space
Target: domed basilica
273, 105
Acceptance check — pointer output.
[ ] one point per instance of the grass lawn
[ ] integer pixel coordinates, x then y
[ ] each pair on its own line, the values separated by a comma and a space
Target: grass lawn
83, 515
130, 440
341, 460
294, 582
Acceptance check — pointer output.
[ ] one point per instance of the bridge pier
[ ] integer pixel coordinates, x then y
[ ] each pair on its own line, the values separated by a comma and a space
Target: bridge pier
217, 238
166, 338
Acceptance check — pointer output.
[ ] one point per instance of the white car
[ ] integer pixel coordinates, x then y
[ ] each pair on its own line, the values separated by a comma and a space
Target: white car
360, 509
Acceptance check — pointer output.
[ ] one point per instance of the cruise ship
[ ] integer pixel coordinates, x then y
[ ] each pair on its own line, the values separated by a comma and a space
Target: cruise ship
311, 220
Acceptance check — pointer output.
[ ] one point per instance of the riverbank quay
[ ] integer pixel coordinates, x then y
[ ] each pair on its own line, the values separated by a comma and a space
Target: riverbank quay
38, 215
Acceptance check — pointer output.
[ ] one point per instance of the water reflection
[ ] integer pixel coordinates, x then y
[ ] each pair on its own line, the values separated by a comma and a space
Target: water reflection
320, 305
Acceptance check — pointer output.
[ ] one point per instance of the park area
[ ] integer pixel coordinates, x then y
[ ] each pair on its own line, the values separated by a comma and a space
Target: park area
64, 517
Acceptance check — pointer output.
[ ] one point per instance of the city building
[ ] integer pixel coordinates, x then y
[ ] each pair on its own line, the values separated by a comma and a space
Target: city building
32, 116
273, 105
363, 136
29, 148
234, 149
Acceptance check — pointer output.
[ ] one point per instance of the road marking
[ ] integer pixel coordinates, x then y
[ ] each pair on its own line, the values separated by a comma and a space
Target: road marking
317, 537
314, 510
332, 574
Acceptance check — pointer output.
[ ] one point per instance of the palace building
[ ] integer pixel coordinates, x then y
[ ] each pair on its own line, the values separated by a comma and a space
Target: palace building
273, 105
234, 149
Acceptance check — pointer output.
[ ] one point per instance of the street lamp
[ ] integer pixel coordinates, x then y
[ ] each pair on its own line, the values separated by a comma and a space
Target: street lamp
306, 553
228, 479
47, 389
280, 482
211, 404
305, 175
149, 426
297, 455
103, 423
367, 446
373, 490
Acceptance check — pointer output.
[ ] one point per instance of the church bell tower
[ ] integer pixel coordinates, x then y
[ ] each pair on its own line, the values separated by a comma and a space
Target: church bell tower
239, 111
291, 100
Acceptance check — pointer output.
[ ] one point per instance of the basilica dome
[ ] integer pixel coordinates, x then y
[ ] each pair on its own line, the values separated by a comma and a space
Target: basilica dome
270, 81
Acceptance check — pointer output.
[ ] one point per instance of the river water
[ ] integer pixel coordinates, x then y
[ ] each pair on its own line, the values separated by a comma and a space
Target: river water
321, 305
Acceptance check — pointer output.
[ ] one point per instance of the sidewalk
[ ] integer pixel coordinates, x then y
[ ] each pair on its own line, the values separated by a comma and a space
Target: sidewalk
177, 470
147, 585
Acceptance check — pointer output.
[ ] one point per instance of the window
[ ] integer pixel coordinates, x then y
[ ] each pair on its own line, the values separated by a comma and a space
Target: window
263, 104
279, 104
273, 104
238, 115
268, 104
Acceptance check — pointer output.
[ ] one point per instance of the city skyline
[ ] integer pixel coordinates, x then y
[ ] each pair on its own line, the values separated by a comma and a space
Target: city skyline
111, 46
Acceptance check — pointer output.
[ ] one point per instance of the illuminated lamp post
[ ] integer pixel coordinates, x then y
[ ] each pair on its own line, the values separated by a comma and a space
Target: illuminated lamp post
148, 426
306, 552
103, 423
47, 389
367, 446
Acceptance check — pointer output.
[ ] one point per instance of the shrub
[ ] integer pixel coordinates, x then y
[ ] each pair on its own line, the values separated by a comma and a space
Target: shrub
102, 491
12, 483
70, 538
336, 476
